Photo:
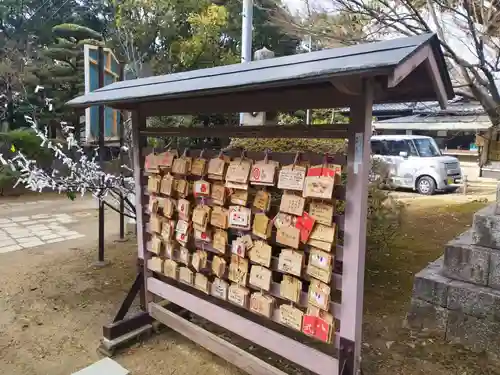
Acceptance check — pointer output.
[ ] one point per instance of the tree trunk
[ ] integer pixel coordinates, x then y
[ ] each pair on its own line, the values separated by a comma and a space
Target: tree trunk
10, 105
483, 157
491, 109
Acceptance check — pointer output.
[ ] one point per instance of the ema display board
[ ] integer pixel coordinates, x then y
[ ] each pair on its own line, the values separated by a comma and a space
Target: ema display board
213, 225
111, 75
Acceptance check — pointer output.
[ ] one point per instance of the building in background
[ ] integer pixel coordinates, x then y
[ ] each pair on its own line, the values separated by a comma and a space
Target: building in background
454, 129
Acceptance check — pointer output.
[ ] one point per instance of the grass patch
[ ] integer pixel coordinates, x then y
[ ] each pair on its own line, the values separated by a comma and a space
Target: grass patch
388, 347
424, 232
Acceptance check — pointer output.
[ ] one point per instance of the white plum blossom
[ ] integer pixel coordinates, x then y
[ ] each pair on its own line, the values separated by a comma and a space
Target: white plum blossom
82, 176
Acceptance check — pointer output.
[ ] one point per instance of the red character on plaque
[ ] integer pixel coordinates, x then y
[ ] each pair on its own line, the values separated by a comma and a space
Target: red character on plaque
322, 331
305, 224
309, 325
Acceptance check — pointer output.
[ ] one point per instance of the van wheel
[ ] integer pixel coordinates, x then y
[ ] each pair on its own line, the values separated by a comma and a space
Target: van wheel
426, 185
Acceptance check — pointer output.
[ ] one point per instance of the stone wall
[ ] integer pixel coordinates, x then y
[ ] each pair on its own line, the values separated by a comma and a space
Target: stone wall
458, 295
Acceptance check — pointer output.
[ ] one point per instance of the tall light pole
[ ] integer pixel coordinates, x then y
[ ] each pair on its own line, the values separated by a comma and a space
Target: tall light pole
309, 49
246, 32
246, 35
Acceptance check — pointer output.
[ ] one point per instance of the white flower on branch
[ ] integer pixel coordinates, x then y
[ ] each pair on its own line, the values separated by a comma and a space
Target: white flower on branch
82, 175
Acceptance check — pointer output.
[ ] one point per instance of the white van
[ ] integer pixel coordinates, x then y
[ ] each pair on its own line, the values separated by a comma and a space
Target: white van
417, 163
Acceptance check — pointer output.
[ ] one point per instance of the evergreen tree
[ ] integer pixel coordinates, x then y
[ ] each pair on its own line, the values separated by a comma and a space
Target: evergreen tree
62, 75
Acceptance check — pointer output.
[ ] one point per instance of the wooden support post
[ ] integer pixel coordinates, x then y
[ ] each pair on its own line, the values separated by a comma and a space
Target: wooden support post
101, 156
121, 133
139, 122
358, 167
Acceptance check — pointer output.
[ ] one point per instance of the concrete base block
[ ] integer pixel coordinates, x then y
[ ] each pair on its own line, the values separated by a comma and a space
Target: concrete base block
474, 333
457, 311
465, 261
431, 286
423, 314
104, 366
486, 227
494, 274
474, 300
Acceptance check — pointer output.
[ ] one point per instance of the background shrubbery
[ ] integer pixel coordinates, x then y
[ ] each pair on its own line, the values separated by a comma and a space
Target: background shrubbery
27, 141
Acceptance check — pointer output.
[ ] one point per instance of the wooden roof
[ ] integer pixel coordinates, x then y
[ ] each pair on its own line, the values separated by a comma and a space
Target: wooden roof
406, 69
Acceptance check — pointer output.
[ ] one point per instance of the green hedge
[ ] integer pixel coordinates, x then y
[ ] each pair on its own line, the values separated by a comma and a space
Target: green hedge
289, 145
26, 141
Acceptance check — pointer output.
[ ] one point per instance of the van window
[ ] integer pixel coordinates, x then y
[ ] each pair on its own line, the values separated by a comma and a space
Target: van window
377, 147
427, 147
394, 147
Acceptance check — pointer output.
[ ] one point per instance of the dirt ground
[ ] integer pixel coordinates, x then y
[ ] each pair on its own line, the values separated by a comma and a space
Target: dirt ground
53, 304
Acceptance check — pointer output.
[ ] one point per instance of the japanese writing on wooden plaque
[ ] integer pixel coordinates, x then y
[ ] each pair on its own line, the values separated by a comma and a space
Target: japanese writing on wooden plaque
262, 200
199, 167
262, 304
322, 212
239, 197
291, 316
263, 173
290, 288
238, 295
305, 224
186, 275
240, 217
292, 178
167, 184
260, 277
319, 294
184, 209
220, 241
323, 233
288, 236
201, 188
151, 163
201, 282
319, 187
238, 247
216, 169
219, 289
218, 266
218, 194
238, 171
291, 262
166, 159
171, 269
238, 270
292, 204
262, 226
261, 253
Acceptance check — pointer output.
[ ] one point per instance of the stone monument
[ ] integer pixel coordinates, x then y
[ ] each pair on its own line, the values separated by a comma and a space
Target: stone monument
458, 295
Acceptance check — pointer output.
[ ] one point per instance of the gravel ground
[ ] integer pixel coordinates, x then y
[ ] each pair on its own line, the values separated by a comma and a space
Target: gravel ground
53, 304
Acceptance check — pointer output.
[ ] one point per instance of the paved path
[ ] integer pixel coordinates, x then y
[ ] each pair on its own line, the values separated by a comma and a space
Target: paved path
21, 232
30, 223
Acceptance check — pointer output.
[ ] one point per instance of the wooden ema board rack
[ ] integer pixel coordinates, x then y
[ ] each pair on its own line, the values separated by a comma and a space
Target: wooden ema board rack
279, 266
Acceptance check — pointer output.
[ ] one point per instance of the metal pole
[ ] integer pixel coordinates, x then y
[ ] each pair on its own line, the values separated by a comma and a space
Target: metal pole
101, 155
309, 48
246, 35
121, 132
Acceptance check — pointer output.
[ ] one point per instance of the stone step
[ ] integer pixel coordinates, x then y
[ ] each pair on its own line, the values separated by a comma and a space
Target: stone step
458, 311
465, 261
431, 286
486, 227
